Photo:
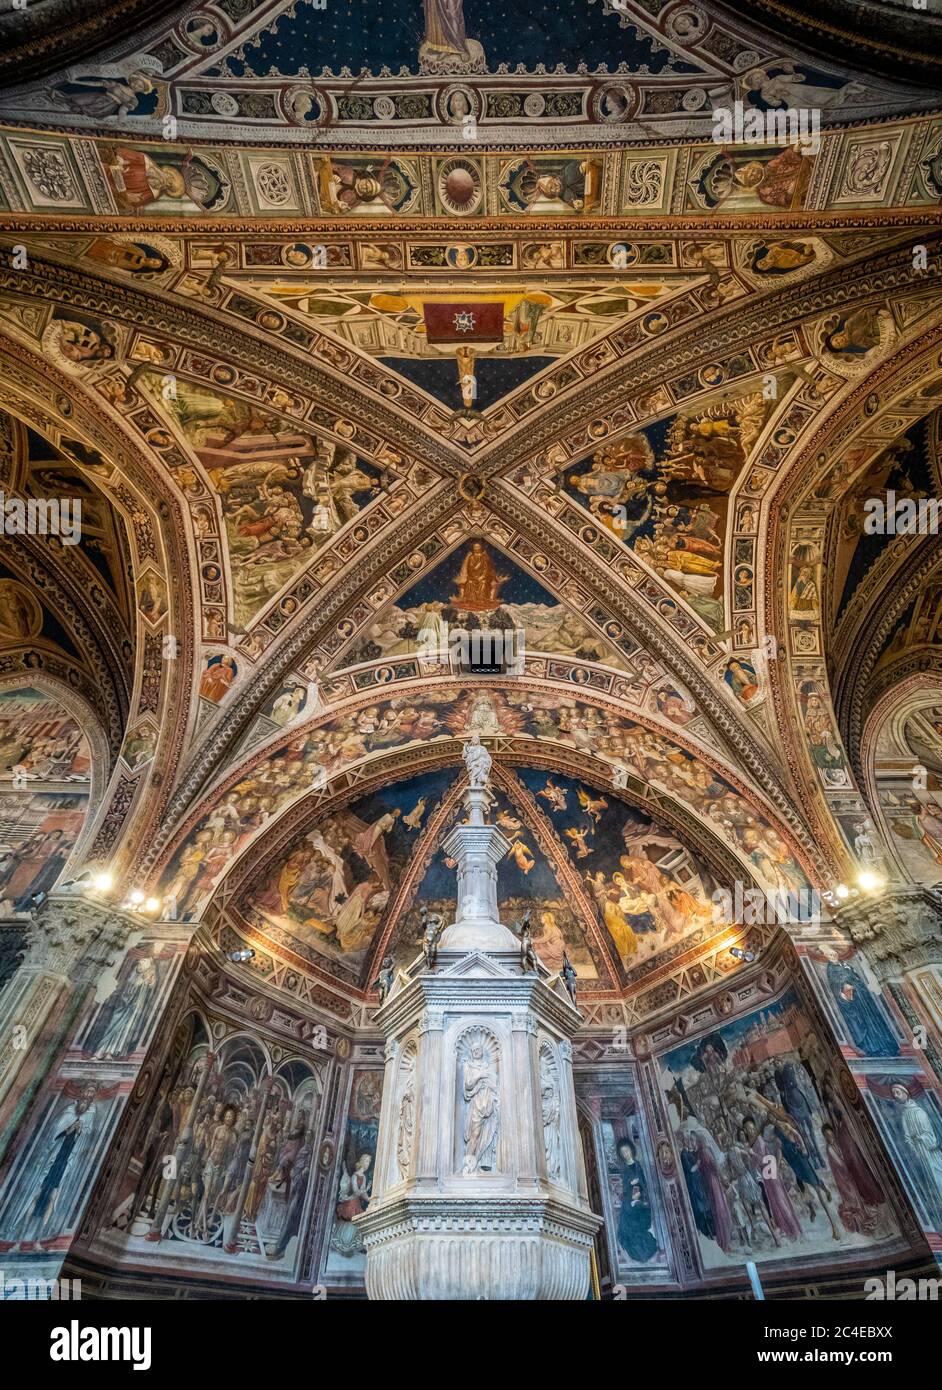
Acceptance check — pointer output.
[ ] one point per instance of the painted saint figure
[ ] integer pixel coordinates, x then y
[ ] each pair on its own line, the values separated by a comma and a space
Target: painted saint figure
58, 1170
865, 1024
634, 1216
923, 1147
444, 26
120, 1025
478, 582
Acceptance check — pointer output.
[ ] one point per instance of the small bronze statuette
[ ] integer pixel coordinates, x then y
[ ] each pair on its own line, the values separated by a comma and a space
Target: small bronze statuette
384, 980
569, 977
431, 930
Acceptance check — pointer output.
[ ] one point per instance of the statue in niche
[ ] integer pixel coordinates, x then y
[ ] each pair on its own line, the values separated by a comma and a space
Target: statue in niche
432, 923
478, 762
406, 1117
482, 1115
549, 1096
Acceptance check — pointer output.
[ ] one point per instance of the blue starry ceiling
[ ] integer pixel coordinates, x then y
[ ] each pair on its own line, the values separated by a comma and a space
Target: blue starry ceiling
364, 34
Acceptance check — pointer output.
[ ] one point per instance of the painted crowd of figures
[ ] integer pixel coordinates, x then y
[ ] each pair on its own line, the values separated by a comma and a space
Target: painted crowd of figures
33, 748
40, 744
309, 759
242, 1142
771, 1157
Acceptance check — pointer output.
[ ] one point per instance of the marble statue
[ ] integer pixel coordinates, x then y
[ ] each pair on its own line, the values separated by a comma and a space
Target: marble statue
478, 762
482, 1117
549, 1099
406, 1119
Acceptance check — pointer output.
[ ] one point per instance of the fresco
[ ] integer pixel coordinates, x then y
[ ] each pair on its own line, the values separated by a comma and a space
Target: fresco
346, 1254
915, 822
479, 588
21, 615
220, 1209
649, 891
39, 831
922, 732
526, 880
747, 180
904, 468
907, 770
48, 1184
326, 896
444, 712
508, 335
920, 626
664, 490
284, 492
634, 1216
774, 1163
119, 1027
45, 765
39, 741
912, 1118
860, 1013
101, 539
164, 181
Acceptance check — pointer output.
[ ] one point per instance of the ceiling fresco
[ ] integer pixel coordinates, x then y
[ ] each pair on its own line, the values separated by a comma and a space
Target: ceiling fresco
443, 373
356, 328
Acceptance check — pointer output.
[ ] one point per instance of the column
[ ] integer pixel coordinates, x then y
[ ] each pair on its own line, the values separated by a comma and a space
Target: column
76, 1021
69, 943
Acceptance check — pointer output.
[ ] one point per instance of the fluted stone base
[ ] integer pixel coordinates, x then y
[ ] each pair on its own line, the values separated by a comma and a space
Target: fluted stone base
522, 1248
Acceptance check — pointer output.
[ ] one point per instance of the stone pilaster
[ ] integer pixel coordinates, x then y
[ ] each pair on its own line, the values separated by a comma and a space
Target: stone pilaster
75, 1022
70, 941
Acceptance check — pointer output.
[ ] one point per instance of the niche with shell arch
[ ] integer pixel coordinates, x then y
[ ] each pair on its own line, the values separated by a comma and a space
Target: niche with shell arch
404, 1151
477, 1102
551, 1099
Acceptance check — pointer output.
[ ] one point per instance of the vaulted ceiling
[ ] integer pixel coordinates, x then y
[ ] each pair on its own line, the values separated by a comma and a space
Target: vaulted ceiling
346, 338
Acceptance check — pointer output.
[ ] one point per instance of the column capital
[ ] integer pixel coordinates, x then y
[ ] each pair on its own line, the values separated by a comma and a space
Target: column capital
432, 1021
76, 937
523, 1022
898, 931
